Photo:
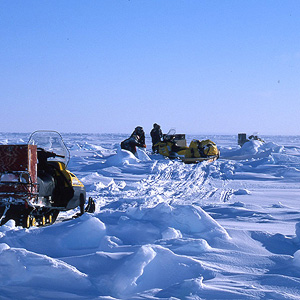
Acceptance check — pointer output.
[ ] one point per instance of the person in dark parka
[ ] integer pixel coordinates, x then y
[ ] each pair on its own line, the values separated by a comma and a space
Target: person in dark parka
139, 131
156, 135
131, 143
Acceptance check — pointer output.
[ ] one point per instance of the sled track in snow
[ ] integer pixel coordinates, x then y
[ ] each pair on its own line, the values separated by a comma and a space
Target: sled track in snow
169, 182
175, 181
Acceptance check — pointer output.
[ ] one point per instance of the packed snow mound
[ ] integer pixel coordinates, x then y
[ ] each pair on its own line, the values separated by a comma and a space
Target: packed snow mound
142, 155
186, 219
83, 235
297, 258
3, 247
146, 270
252, 149
188, 289
66, 238
96, 181
297, 240
297, 226
122, 157
95, 178
25, 268
241, 192
123, 274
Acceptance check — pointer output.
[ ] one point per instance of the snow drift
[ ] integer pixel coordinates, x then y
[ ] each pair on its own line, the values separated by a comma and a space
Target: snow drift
165, 230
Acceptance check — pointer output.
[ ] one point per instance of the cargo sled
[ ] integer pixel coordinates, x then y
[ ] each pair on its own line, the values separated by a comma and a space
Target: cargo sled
198, 151
175, 146
35, 185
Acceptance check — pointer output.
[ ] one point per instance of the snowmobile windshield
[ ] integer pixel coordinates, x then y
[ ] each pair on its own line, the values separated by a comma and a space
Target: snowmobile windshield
172, 131
51, 141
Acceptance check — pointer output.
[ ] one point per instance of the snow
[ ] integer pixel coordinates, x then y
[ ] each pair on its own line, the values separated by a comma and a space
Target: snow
165, 230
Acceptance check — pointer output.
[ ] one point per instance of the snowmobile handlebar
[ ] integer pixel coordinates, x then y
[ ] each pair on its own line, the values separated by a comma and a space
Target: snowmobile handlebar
57, 155
49, 154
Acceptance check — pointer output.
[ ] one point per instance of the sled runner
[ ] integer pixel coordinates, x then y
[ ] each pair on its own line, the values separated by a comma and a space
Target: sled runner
192, 160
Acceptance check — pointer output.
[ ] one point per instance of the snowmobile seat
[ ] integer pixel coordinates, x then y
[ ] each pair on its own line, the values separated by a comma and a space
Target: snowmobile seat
63, 191
46, 185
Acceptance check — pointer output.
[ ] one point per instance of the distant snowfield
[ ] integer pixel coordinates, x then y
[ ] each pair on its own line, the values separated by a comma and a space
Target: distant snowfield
165, 230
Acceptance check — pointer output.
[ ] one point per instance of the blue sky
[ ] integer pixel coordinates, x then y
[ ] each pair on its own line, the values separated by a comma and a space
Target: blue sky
202, 67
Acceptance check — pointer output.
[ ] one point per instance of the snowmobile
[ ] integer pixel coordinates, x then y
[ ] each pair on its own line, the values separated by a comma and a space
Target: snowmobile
35, 185
175, 146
